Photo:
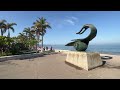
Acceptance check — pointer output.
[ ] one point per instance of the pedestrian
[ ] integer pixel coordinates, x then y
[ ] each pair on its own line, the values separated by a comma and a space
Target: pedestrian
46, 48
51, 48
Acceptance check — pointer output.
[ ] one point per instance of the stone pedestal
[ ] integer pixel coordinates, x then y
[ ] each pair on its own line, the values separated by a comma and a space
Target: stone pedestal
85, 60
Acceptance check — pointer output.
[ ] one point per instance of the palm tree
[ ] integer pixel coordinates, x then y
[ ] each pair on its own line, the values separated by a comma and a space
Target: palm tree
40, 26
29, 33
37, 32
10, 26
22, 38
30, 36
3, 26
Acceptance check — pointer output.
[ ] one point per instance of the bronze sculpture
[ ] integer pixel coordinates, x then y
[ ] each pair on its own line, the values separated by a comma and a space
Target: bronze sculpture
82, 44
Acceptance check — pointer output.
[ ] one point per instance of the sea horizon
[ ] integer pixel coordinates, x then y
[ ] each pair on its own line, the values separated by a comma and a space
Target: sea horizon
101, 48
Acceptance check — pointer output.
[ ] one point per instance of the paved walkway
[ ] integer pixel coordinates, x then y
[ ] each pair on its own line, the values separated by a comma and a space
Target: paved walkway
53, 67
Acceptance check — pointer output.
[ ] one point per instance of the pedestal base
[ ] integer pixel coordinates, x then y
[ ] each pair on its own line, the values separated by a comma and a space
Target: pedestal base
85, 60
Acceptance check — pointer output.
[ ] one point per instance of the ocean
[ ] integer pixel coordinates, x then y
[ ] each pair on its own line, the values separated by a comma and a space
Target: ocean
105, 49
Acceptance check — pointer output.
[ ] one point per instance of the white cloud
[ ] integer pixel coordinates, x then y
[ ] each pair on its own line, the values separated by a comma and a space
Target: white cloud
70, 21
60, 23
74, 18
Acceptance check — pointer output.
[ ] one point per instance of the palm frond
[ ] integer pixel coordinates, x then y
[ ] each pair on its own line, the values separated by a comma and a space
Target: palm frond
12, 29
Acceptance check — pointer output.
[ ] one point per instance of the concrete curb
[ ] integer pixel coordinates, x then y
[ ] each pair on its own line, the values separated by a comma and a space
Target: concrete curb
23, 56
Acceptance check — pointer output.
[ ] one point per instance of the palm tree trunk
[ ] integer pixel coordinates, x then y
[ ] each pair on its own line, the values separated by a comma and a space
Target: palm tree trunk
8, 33
38, 36
42, 37
42, 41
1, 32
29, 44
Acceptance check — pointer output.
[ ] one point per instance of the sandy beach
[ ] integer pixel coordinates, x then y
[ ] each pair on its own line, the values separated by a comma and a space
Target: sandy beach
54, 67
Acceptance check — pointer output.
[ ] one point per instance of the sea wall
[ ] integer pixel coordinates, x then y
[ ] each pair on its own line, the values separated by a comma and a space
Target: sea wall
62, 51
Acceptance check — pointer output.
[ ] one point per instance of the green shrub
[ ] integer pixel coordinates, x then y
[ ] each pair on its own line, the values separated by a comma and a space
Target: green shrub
17, 47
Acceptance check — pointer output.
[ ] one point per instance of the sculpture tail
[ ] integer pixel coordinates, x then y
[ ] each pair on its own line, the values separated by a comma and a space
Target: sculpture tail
70, 44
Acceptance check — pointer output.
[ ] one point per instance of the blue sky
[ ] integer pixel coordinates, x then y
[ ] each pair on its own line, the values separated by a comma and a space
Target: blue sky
65, 24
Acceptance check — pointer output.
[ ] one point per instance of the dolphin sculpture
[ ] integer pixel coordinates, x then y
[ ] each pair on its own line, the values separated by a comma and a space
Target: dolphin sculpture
82, 44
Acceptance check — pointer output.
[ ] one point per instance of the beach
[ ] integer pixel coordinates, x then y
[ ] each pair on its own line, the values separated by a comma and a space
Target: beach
54, 67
